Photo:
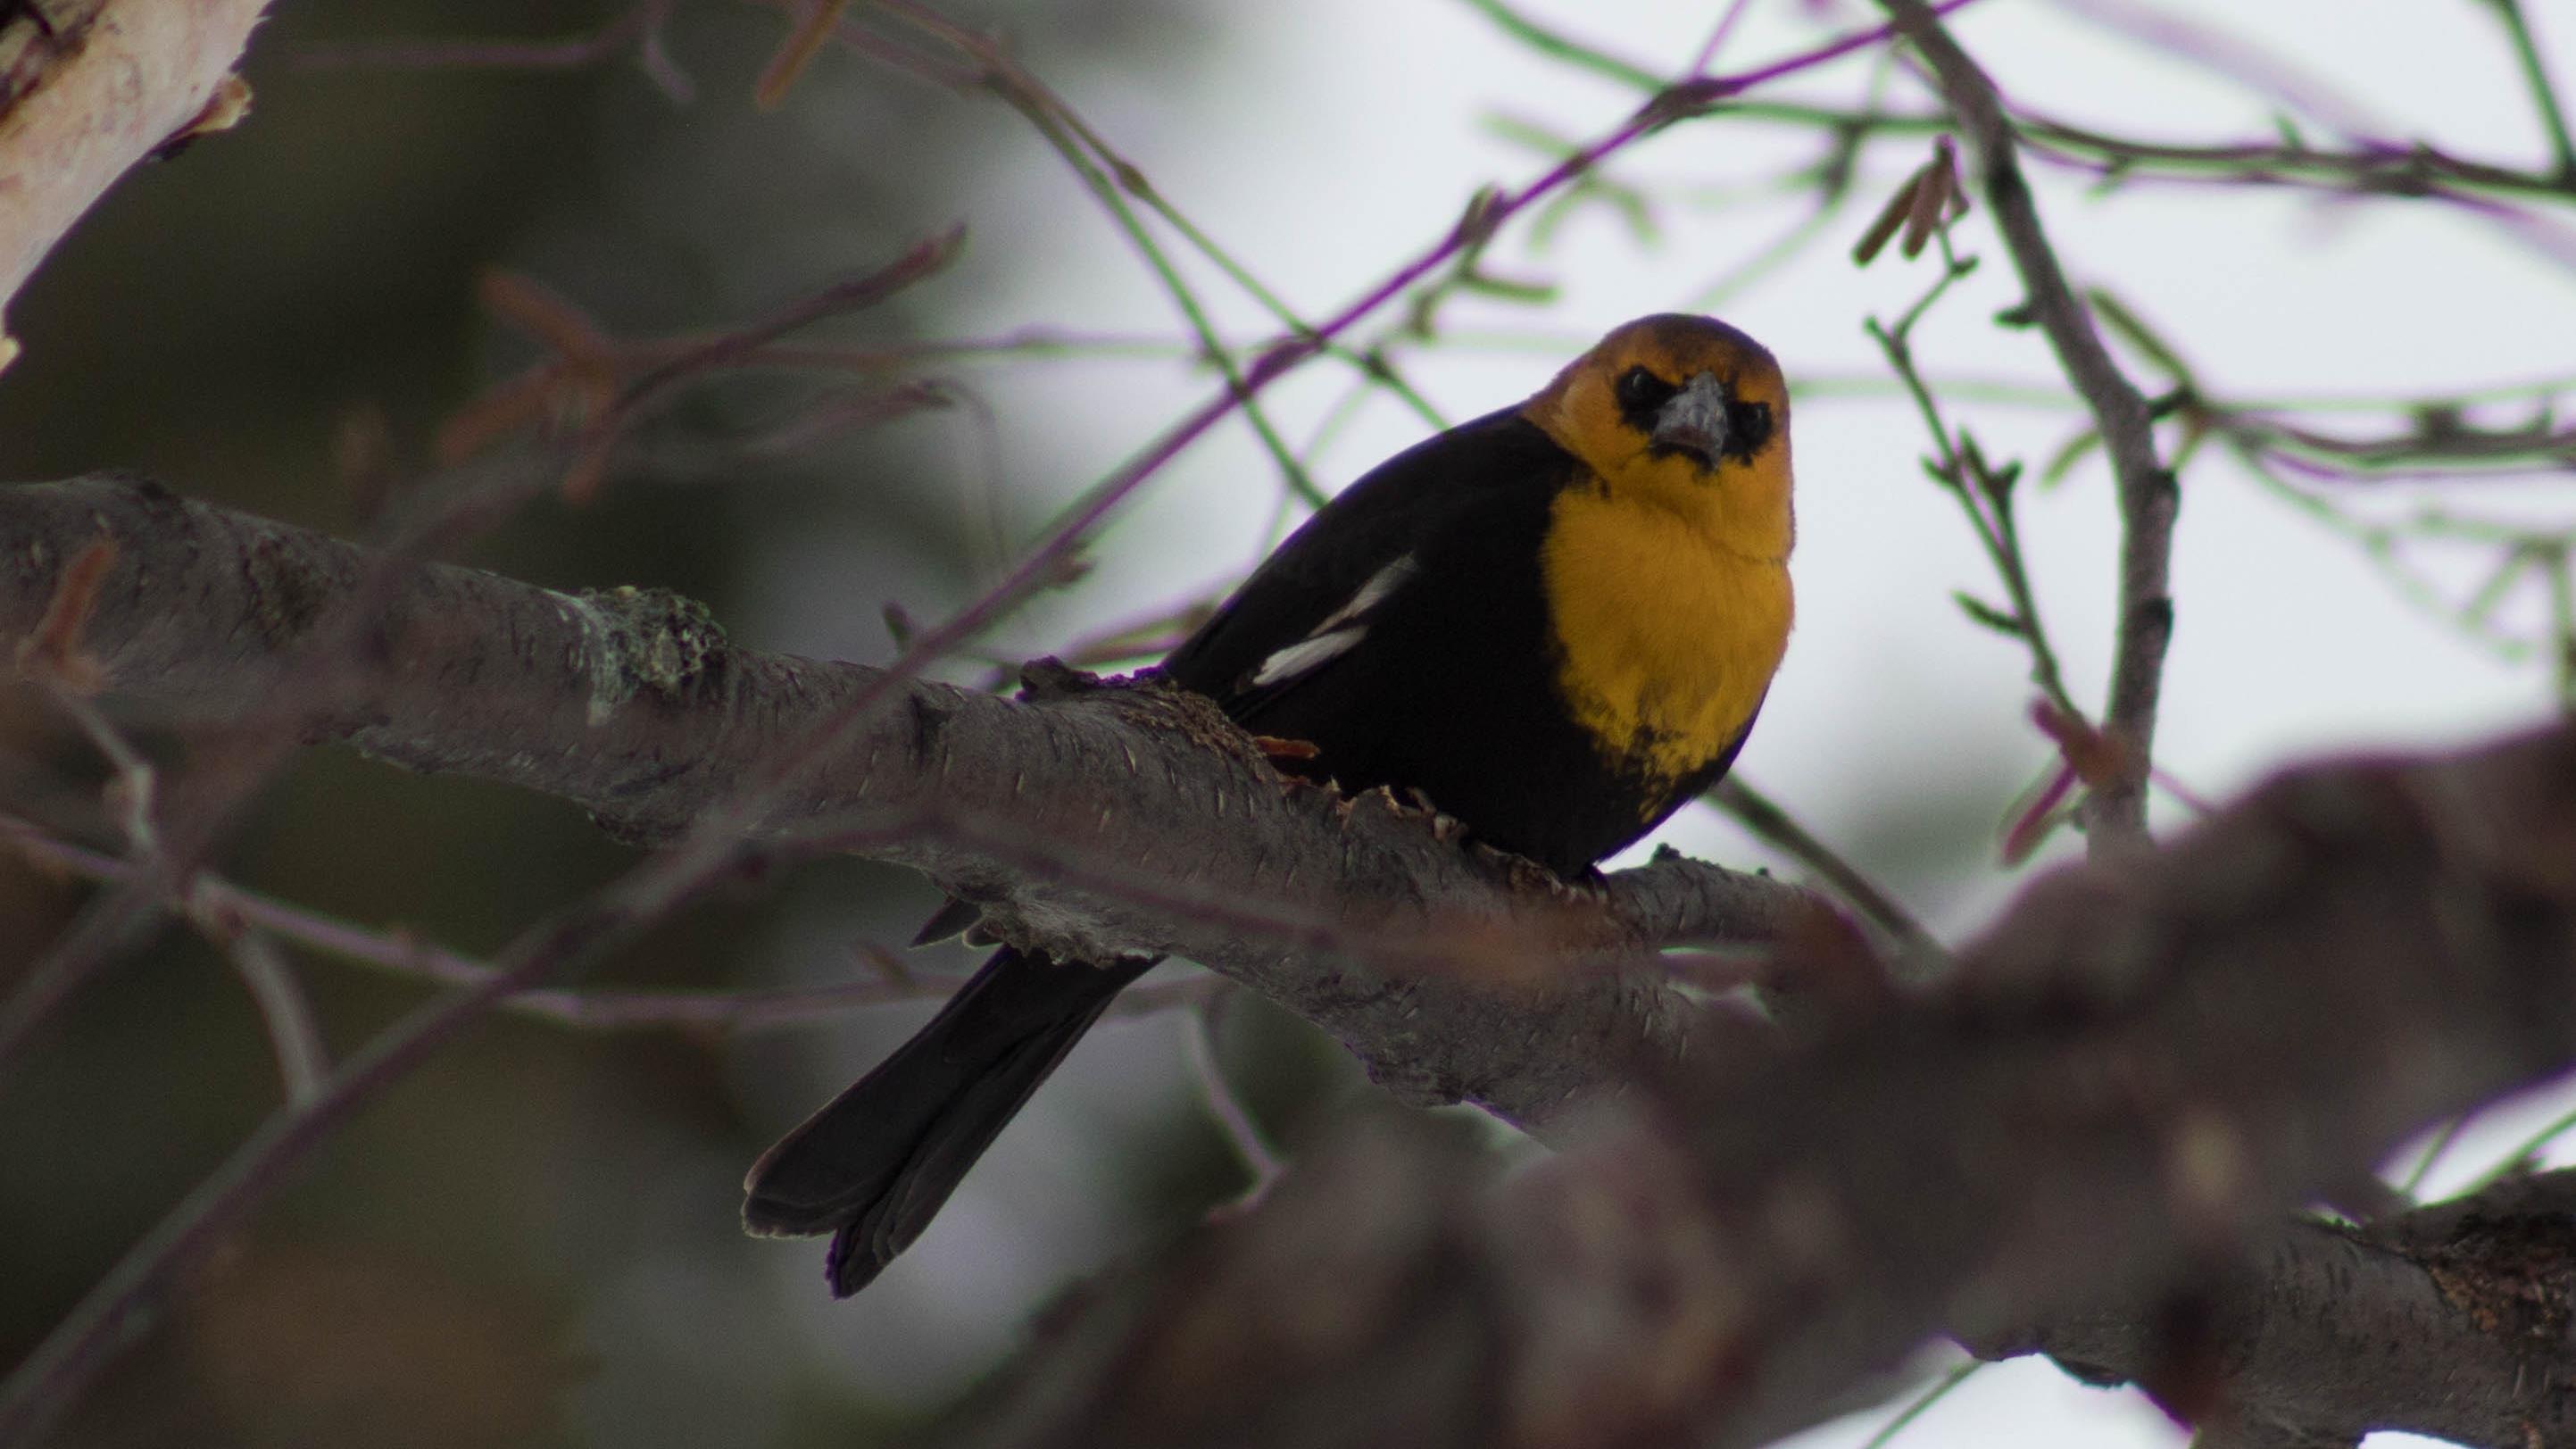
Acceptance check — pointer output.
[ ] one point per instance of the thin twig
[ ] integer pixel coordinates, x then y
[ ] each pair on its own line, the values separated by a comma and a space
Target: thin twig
1921, 1403
1706, 55
2524, 1155
1547, 40
2274, 77
2520, 552
2147, 494
1227, 1109
1767, 822
592, 1008
851, 294
2413, 1186
2544, 96
1793, 241
1982, 493
2398, 169
640, 26
104, 925
134, 787
1022, 86
303, 1062
1055, 124
46, 1381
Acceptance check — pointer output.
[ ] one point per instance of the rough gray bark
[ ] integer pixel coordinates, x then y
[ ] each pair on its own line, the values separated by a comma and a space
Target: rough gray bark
2457, 1321
1090, 821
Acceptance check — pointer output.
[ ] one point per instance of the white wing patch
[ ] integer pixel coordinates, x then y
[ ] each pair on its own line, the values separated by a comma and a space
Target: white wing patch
1339, 630
1305, 655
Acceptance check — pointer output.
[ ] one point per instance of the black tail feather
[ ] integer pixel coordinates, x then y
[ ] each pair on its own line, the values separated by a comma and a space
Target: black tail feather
876, 1164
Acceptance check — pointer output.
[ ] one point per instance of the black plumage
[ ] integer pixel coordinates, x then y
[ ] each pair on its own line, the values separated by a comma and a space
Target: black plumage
1405, 633
1470, 508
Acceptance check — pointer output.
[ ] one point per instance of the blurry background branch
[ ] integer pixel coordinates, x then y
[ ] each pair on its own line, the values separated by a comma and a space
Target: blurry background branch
590, 1008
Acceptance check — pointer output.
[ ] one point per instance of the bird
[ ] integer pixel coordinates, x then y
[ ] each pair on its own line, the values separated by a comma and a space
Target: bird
1556, 623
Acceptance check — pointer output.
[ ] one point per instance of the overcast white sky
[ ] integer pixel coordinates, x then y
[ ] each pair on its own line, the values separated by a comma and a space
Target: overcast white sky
1328, 140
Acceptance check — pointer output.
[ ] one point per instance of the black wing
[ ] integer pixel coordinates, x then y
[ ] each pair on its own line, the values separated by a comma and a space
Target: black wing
1312, 600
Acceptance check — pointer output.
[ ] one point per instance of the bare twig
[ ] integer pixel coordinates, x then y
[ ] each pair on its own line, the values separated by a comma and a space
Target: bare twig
639, 27
45, 1382
2272, 76
1758, 813
1226, 1109
131, 790
1921, 1404
303, 1062
805, 38
1707, 53
54, 657
586, 1008
2544, 96
2148, 496
1983, 492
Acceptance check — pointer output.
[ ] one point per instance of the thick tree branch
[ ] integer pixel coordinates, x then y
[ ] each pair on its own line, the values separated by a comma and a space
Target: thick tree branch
2137, 1074
2456, 1321
1093, 821
2148, 495
90, 87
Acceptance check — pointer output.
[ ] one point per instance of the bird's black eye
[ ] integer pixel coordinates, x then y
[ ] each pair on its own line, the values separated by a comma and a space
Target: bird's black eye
1641, 395
1748, 427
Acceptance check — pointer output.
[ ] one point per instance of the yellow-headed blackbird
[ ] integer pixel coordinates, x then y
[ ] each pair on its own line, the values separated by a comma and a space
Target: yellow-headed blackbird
1557, 622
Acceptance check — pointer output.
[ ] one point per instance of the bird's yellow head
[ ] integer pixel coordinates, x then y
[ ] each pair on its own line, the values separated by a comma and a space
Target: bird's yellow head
1687, 415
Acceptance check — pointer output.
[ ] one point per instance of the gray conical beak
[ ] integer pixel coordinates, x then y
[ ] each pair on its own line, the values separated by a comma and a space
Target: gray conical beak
1694, 422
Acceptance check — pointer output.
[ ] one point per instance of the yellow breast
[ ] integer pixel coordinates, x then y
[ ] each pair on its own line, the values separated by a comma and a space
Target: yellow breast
1670, 635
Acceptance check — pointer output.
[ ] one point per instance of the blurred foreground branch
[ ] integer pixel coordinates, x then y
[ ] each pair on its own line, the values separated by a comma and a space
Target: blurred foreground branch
2456, 1320
2097, 1127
